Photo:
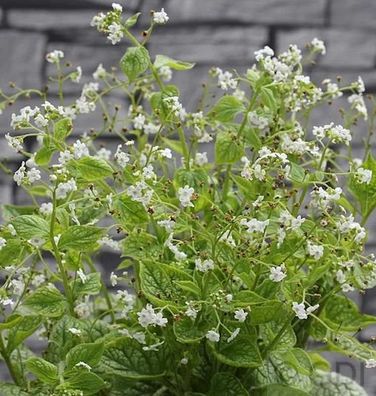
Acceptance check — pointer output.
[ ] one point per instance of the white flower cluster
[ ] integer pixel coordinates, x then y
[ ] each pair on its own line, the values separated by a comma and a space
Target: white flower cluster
141, 192
322, 198
204, 265
226, 79
22, 175
347, 224
315, 251
179, 255
278, 273
148, 317
302, 312
337, 134
185, 196
254, 225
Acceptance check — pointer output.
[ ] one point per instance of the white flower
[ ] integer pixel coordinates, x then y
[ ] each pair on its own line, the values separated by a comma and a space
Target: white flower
315, 251
80, 150
103, 153
40, 121
179, 255
100, 72
185, 195
75, 331
370, 363
300, 310
318, 46
201, 159
139, 121
340, 276
184, 361
166, 73
213, 336
6, 301
148, 317
54, 56
168, 225
204, 266
14, 143
240, 315
20, 174
151, 129
166, 153
364, 175
38, 280
3, 242
82, 276
225, 79
115, 33
254, 225
117, 7
76, 76
234, 334
191, 312
63, 189
277, 274
121, 157
113, 279
263, 53
83, 365
33, 175
160, 17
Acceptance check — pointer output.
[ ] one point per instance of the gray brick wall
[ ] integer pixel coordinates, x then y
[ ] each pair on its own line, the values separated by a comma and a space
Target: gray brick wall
210, 32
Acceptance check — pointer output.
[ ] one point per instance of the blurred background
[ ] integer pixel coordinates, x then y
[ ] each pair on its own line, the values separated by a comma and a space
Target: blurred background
223, 33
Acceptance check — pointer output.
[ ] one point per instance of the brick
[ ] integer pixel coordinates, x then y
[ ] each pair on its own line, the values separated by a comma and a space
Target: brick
21, 58
49, 20
274, 12
353, 13
346, 49
210, 45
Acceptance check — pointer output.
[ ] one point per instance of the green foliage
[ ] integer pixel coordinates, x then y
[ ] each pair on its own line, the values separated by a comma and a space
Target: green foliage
229, 245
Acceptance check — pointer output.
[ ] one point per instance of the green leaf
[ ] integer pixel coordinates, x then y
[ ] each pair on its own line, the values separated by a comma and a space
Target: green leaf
131, 21
276, 371
196, 178
139, 245
91, 286
343, 314
268, 98
269, 331
90, 168
126, 358
226, 384
10, 322
43, 370
89, 353
266, 312
190, 287
12, 253
365, 193
226, 109
252, 138
319, 362
299, 360
46, 301
162, 60
23, 329
349, 346
131, 211
190, 331
134, 62
62, 129
242, 352
80, 237
11, 211
158, 282
11, 390
334, 384
227, 148
279, 390
175, 145
43, 155
31, 226
88, 382
297, 174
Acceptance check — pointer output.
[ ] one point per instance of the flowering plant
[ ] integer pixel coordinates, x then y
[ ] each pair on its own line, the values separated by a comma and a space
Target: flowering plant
231, 262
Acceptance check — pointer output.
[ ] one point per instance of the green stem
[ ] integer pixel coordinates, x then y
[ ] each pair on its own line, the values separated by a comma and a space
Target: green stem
56, 252
8, 362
